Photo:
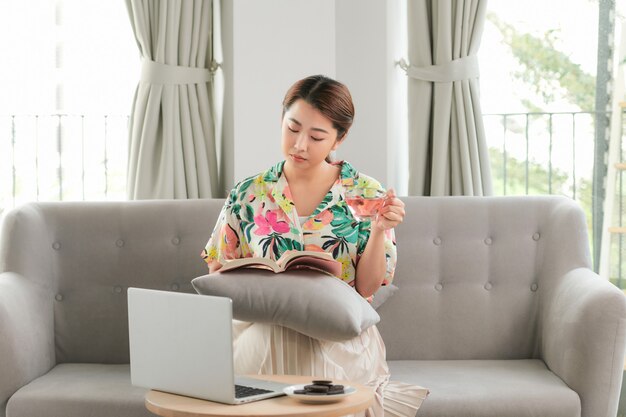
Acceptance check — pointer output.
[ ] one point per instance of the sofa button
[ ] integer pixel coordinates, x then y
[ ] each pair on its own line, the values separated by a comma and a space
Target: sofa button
536, 236
175, 287
58, 297
488, 241
437, 241
534, 287
439, 286
175, 241
488, 286
119, 243
56, 246
117, 289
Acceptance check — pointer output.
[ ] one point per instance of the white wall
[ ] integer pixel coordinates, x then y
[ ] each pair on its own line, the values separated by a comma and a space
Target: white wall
269, 44
361, 45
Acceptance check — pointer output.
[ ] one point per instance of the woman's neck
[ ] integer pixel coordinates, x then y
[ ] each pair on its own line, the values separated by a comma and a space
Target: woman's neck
310, 175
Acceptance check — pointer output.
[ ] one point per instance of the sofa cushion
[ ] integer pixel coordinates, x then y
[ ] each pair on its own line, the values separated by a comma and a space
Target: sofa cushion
488, 388
80, 390
309, 302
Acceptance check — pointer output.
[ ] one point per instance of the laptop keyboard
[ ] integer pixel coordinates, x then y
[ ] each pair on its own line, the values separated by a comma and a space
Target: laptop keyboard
242, 391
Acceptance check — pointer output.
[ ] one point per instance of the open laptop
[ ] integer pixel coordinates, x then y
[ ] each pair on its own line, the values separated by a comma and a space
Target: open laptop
183, 344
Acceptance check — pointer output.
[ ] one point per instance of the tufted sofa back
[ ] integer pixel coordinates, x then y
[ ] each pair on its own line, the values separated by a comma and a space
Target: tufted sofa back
87, 254
471, 271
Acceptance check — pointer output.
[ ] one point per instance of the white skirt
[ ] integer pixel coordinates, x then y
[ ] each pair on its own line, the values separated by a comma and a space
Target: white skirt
261, 348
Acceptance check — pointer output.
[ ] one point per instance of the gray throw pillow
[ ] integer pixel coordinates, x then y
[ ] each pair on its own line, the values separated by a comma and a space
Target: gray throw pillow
310, 302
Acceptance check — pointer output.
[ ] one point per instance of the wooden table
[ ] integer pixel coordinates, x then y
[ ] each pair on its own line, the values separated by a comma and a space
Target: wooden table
171, 405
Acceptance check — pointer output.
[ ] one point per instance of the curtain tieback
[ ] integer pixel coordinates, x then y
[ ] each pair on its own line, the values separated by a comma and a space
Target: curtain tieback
458, 69
156, 73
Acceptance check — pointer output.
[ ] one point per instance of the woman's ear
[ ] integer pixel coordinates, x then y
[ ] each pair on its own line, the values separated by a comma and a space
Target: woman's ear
339, 140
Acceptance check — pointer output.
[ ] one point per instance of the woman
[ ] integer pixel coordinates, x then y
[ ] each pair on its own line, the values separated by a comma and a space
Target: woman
298, 204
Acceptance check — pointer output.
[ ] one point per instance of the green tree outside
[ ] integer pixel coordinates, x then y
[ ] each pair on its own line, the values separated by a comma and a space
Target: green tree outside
551, 76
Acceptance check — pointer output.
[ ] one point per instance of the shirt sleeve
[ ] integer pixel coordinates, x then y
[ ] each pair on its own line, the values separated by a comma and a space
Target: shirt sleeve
225, 242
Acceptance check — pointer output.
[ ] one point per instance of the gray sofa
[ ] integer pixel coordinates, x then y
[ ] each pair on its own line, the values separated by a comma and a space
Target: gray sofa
498, 313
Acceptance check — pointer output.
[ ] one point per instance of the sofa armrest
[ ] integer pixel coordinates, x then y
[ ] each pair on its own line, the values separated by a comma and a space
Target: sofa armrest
583, 337
27, 329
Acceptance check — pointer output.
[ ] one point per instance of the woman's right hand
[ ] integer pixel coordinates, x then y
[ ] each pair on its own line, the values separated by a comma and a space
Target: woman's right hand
214, 266
392, 212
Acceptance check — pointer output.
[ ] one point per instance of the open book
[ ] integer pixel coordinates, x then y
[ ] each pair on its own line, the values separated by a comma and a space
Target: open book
319, 261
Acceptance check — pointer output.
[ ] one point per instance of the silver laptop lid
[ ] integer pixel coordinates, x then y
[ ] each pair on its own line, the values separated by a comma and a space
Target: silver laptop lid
202, 365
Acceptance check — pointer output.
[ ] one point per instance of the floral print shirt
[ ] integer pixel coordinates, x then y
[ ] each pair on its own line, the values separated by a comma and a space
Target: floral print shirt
259, 219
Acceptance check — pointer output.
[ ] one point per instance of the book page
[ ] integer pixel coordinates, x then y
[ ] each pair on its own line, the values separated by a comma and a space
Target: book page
324, 264
263, 263
319, 261
289, 255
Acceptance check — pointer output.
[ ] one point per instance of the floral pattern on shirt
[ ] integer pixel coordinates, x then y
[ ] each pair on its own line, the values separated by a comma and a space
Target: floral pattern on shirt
259, 219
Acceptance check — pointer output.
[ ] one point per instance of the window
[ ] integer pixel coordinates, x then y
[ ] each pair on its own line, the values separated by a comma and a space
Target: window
68, 88
538, 81
538, 65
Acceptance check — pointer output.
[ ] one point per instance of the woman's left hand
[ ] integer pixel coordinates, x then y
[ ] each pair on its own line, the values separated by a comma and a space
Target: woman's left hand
391, 213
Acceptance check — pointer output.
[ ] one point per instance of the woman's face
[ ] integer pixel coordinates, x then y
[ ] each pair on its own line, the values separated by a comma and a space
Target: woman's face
307, 136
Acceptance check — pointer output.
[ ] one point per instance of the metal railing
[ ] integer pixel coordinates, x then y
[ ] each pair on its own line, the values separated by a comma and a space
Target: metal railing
554, 142
62, 157
83, 157
537, 153
553, 153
